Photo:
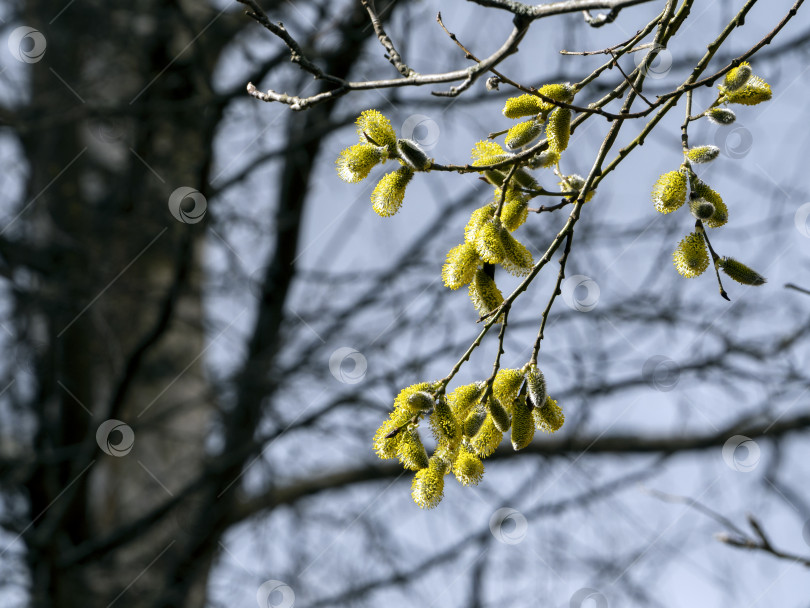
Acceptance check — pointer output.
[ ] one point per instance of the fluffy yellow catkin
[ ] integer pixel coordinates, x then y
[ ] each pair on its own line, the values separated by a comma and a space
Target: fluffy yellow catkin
536, 385
498, 414
460, 267
487, 439
387, 197
669, 191
702, 190
549, 418
558, 129
464, 398
468, 468
377, 127
524, 105
356, 162
523, 133
507, 385
485, 295
427, 488
410, 450
691, 257
443, 422
517, 259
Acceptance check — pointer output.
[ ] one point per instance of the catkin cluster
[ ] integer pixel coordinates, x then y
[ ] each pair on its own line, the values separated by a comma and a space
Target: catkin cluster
673, 189
467, 426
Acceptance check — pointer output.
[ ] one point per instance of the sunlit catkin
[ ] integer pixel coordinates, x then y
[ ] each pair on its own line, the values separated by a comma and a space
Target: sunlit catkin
517, 259
474, 420
427, 488
464, 398
410, 450
498, 414
468, 468
410, 152
737, 77
558, 129
523, 133
549, 418
356, 162
507, 385
691, 257
485, 295
669, 191
489, 243
487, 439
702, 154
387, 197
524, 105
460, 267
721, 116
536, 385
377, 127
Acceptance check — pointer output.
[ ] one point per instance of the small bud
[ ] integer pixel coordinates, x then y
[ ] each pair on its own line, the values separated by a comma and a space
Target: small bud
488, 242
410, 450
413, 156
523, 133
536, 383
485, 295
461, 264
691, 258
669, 191
357, 161
474, 420
558, 129
387, 197
402, 401
737, 77
700, 207
492, 83
487, 439
549, 418
740, 272
420, 401
468, 468
524, 179
498, 414
703, 154
377, 127
524, 105
522, 424
427, 489
721, 116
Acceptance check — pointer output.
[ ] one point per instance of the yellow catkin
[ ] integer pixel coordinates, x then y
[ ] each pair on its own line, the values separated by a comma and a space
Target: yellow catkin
485, 295
468, 468
740, 272
410, 450
536, 385
387, 197
515, 210
464, 398
473, 421
487, 439
523, 134
460, 267
356, 162
703, 154
522, 424
754, 91
669, 191
488, 242
507, 385
427, 488
524, 105
702, 190
517, 259
691, 257
548, 418
498, 414
477, 219
558, 129
443, 421
558, 92
377, 127
737, 77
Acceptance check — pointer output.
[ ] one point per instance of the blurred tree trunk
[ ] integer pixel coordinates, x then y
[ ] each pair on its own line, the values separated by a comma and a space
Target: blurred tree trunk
122, 115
